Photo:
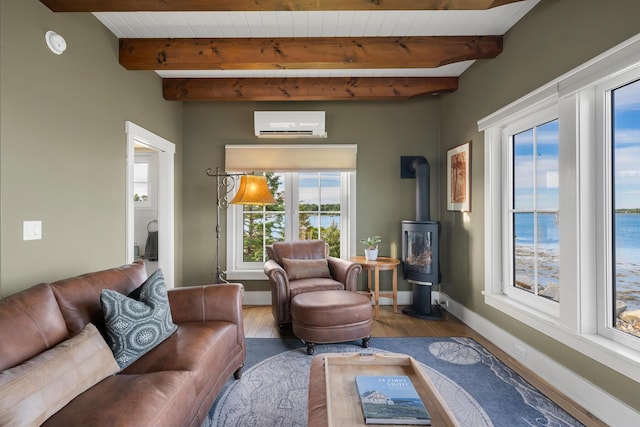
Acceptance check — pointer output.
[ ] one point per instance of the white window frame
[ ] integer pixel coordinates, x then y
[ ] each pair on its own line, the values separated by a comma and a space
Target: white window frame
585, 241
150, 159
536, 302
237, 269
604, 153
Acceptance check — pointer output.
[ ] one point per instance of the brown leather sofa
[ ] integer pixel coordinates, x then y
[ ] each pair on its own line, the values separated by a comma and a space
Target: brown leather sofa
174, 384
304, 257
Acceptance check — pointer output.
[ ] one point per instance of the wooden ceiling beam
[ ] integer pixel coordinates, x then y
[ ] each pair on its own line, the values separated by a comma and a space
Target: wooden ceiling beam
304, 53
265, 5
305, 89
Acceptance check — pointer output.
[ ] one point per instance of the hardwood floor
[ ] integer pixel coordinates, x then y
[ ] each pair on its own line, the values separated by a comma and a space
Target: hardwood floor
259, 323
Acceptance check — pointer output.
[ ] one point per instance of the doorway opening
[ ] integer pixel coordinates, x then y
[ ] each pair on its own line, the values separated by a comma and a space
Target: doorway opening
150, 201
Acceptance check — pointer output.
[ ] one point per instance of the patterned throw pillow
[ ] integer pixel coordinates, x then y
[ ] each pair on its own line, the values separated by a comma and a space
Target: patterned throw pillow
135, 325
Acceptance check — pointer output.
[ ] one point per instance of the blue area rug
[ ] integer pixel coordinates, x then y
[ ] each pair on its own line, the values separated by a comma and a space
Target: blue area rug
479, 388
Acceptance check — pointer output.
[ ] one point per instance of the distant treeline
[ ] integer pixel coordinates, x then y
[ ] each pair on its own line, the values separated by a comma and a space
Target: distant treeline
628, 211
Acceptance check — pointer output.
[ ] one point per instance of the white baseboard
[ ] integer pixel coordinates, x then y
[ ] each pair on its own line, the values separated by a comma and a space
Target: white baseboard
256, 298
604, 406
264, 298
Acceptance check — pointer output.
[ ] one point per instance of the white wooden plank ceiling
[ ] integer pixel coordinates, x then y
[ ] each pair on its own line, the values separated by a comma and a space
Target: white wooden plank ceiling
495, 21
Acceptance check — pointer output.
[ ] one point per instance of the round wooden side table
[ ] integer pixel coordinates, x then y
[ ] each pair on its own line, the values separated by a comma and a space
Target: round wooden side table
373, 268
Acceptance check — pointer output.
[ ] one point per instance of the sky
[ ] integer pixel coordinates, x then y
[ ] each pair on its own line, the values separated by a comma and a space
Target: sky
308, 189
626, 131
546, 166
626, 155
626, 101
330, 187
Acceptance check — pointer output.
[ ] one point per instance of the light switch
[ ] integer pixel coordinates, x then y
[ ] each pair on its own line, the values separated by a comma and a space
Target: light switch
32, 230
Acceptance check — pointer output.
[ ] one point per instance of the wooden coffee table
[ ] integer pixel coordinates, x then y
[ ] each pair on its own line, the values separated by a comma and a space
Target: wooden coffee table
332, 383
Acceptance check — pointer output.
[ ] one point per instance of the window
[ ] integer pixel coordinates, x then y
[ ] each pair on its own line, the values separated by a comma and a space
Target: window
311, 204
562, 212
262, 225
623, 112
143, 180
319, 208
534, 211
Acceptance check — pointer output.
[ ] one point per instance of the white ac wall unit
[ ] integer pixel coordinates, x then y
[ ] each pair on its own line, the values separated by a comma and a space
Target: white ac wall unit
289, 124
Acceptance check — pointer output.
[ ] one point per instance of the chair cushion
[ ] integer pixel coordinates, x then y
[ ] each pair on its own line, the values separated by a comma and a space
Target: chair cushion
38, 388
313, 285
306, 268
136, 325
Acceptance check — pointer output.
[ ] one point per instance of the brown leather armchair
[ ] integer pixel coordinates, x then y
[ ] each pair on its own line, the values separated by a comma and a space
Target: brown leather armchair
304, 266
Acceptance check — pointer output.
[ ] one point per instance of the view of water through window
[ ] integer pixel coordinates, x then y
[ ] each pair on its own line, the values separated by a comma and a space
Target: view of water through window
536, 234
626, 205
317, 208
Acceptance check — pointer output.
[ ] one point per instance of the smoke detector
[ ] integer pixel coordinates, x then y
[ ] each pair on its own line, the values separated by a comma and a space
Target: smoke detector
56, 42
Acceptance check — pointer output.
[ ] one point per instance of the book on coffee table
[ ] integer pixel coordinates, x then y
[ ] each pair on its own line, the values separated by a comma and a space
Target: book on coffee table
391, 399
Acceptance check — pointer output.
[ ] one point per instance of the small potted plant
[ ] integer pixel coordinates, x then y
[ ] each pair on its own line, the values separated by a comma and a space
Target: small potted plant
371, 247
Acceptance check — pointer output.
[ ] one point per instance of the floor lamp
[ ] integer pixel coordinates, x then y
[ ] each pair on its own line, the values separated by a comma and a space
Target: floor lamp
252, 190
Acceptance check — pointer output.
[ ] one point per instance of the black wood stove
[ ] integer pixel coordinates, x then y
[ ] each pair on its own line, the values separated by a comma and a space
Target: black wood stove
420, 246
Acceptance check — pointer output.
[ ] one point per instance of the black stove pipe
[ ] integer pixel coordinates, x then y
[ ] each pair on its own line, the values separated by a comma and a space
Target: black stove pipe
421, 166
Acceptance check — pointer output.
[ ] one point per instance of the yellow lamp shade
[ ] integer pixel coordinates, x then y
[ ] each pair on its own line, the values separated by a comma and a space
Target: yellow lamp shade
253, 191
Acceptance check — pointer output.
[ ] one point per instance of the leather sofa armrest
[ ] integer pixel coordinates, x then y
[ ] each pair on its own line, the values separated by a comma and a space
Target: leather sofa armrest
208, 302
345, 272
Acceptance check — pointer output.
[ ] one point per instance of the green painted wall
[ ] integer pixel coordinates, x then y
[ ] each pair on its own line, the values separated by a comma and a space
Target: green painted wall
63, 143
62, 151
557, 36
383, 131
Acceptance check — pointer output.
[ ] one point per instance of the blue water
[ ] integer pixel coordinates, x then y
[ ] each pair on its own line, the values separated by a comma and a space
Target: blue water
326, 220
548, 232
627, 255
628, 231
627, 249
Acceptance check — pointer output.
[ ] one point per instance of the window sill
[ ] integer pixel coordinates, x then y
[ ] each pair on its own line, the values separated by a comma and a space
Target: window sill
618, 357
246, 275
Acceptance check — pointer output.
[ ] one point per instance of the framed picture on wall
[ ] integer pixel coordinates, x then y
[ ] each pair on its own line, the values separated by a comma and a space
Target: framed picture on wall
459, 178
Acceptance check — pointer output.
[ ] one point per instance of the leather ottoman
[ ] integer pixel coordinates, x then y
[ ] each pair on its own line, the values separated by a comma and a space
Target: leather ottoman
331, 316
